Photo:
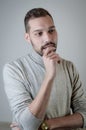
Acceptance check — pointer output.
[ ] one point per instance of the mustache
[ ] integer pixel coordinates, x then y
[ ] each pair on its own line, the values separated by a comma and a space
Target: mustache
47, 44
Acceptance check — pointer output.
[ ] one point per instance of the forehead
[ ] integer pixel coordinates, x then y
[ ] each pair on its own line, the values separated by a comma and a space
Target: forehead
41, 23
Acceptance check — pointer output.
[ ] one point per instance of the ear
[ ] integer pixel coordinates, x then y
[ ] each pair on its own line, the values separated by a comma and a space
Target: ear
27, 37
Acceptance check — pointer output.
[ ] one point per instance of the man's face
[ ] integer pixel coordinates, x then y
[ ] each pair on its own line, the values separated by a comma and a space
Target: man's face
42, 33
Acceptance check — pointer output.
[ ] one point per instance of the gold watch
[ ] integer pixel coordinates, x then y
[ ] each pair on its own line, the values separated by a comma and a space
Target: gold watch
44, 126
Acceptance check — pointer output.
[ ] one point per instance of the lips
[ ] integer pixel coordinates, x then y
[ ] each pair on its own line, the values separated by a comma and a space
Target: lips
48, 45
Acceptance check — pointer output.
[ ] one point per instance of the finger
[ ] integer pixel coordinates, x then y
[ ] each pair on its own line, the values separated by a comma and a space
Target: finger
48, 50
54, 55
56, 58
14, 125
51, 54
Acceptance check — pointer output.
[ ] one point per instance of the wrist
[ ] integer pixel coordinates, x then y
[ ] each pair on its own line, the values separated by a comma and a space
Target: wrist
44, 126
51, 124
48, 77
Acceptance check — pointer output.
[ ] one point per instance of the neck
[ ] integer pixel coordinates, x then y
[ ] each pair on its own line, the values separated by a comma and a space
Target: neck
35, 56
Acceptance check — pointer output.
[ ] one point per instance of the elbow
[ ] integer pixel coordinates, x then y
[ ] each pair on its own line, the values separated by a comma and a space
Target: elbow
28, 121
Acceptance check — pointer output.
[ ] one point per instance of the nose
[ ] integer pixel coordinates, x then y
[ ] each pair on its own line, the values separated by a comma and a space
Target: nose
47, 37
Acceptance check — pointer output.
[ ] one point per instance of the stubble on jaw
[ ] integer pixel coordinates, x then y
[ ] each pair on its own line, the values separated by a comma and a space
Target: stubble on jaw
50, 44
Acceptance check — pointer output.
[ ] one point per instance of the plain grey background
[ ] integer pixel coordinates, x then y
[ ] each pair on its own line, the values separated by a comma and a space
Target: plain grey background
70, 21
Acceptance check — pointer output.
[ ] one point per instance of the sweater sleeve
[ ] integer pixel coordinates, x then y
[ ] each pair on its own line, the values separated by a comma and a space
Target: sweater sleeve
19, 97
78, 95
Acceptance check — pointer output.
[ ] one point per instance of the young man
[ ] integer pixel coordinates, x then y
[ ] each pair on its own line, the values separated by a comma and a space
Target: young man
44, 90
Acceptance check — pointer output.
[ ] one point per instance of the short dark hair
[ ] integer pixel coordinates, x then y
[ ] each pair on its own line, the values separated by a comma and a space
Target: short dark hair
34, 13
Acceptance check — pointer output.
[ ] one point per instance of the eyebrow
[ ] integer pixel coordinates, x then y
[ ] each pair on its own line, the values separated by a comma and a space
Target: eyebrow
37, 30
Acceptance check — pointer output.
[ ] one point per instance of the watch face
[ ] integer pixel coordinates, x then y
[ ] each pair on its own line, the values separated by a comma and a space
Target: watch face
44, 126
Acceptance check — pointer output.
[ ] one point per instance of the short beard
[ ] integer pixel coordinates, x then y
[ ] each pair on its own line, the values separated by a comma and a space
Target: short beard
46, 45
39, 52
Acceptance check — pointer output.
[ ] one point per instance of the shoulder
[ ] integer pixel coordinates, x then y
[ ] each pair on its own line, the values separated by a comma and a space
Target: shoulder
69, 67
18, 63
15, 68
67, 63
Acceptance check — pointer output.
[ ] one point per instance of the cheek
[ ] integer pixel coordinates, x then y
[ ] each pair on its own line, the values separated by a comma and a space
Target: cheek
37, 44
55, 36
36, 40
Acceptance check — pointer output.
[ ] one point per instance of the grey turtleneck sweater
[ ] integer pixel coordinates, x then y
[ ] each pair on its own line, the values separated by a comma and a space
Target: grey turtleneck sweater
22, 80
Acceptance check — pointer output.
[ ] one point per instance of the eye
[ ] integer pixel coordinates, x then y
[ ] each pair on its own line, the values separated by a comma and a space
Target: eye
51, 31
38, 34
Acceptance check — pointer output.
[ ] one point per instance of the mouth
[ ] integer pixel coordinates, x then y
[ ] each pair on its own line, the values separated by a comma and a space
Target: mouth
48, 45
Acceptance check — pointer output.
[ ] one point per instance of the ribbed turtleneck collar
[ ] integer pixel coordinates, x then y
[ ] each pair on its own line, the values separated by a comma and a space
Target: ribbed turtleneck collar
35, 56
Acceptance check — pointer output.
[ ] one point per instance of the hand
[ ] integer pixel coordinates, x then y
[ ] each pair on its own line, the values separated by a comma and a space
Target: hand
50, 59
50, 124
14, 126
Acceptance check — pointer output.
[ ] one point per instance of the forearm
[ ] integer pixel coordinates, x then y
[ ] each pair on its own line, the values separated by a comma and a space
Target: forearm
39, 104
66, 122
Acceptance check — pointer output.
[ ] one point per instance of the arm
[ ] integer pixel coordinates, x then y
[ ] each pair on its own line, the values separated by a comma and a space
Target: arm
61, 123
39, 104
28, 113
66, 122
78, 105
